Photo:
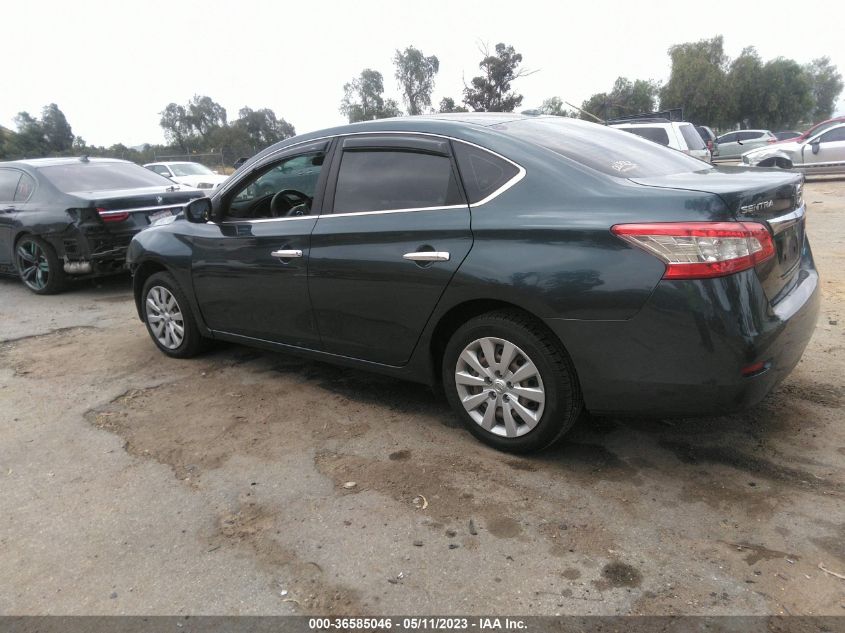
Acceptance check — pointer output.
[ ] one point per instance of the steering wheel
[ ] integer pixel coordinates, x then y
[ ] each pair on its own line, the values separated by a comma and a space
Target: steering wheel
290, 203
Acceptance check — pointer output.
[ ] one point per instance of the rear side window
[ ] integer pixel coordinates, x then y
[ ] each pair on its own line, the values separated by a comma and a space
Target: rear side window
482, 172
26, 185
610, 151
656, 134
379, 180
692, 137
97, 176
8, 184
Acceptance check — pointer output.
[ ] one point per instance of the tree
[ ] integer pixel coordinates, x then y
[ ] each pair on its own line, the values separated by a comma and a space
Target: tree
554, 106
747, 88
826, 86
57, 131
262, 127
698, 82
789, 95
176, 125
626, 97
491, 92
415, 74
447, 104
29, 141
205, 114
363, 100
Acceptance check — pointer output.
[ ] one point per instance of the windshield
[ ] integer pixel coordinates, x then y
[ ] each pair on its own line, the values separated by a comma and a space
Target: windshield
190, 169
609, 151
97, 176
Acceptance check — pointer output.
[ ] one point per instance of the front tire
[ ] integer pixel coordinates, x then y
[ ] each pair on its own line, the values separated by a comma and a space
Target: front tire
39, 268
169, 319
511, 382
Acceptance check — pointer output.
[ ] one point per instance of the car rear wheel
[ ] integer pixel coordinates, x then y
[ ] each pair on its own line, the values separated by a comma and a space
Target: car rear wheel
39, 267
511, 382
169, 318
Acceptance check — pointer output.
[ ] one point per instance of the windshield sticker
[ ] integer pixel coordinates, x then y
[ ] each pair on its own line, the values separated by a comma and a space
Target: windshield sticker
623, 165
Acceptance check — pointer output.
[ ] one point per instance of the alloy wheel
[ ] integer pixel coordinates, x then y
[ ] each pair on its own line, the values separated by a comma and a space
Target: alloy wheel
32, 264
500, 387
165, 317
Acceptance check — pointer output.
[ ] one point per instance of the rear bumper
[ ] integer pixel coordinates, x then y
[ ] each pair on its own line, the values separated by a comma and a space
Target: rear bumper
683, 354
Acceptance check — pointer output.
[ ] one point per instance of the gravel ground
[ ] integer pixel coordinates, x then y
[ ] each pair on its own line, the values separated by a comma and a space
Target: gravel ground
137, 484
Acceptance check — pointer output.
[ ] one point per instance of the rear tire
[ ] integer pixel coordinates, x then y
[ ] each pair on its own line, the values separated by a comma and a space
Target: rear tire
169, 318
524, 398
39, 268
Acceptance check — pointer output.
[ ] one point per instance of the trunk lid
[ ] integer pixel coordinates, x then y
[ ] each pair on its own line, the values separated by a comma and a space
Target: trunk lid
773, 198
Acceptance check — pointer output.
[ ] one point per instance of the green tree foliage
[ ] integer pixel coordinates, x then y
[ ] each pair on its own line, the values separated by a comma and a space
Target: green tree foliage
363, 98
789, 97
698, 82
491, 91
625, 98
262, 127
447, 104
29, 141
555, 107
415, 74
175, 123
826, 87
57, 131
746, 85
185, 126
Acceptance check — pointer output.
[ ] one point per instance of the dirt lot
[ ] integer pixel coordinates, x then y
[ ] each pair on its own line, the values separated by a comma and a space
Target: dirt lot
132, 483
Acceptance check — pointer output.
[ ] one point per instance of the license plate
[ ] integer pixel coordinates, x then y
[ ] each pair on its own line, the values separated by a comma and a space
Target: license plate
158, 215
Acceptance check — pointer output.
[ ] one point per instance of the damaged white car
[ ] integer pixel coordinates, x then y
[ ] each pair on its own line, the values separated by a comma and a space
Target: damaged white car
823, 153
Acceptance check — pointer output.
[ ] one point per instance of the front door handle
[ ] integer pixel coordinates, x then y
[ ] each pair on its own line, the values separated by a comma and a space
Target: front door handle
427, 256
286, 254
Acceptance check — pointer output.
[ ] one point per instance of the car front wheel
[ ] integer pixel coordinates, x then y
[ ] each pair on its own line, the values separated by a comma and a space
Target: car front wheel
169, 318
511, 382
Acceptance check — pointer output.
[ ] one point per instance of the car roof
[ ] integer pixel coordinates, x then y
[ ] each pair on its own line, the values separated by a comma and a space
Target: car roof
654, 124
36, 163
173, 162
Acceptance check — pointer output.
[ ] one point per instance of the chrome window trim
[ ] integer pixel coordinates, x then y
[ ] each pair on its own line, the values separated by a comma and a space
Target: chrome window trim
507, 185
177, 205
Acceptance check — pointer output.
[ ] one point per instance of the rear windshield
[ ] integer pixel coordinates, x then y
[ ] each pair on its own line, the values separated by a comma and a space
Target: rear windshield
692, 137
97, 176
604, 149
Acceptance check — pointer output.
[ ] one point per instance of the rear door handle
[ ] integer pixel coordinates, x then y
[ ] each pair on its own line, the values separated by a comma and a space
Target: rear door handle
427, 256
286, 254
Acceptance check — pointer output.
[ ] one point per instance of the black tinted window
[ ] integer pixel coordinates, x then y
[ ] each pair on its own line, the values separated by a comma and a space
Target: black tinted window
482, 172
97, 176
727, 138
692, 137
604, 149
8, 183
656, 134
371, 180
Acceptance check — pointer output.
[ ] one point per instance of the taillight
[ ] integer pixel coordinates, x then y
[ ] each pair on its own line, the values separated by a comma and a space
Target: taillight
112, 216
698, 250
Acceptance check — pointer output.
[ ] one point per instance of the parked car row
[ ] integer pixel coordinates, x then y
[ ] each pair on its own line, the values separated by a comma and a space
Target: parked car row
532, 267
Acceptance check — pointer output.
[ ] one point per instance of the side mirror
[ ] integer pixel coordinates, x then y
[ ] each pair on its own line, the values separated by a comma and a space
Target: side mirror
815, 144
198, 211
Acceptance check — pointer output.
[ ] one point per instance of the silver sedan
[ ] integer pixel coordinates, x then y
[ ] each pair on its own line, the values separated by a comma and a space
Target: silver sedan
823, 153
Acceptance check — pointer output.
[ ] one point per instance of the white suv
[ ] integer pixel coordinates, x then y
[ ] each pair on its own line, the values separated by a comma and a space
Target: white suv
675, 134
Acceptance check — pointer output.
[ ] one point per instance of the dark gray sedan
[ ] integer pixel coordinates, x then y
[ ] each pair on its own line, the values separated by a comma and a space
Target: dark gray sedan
531, 267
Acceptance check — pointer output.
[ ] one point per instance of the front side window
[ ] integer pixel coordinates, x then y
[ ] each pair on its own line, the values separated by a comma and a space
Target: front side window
381, 180
727, 138
830, 136
284, 190
8, 184
161, 169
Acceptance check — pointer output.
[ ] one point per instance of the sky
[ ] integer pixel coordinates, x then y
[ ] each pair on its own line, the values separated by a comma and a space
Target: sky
112, 67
